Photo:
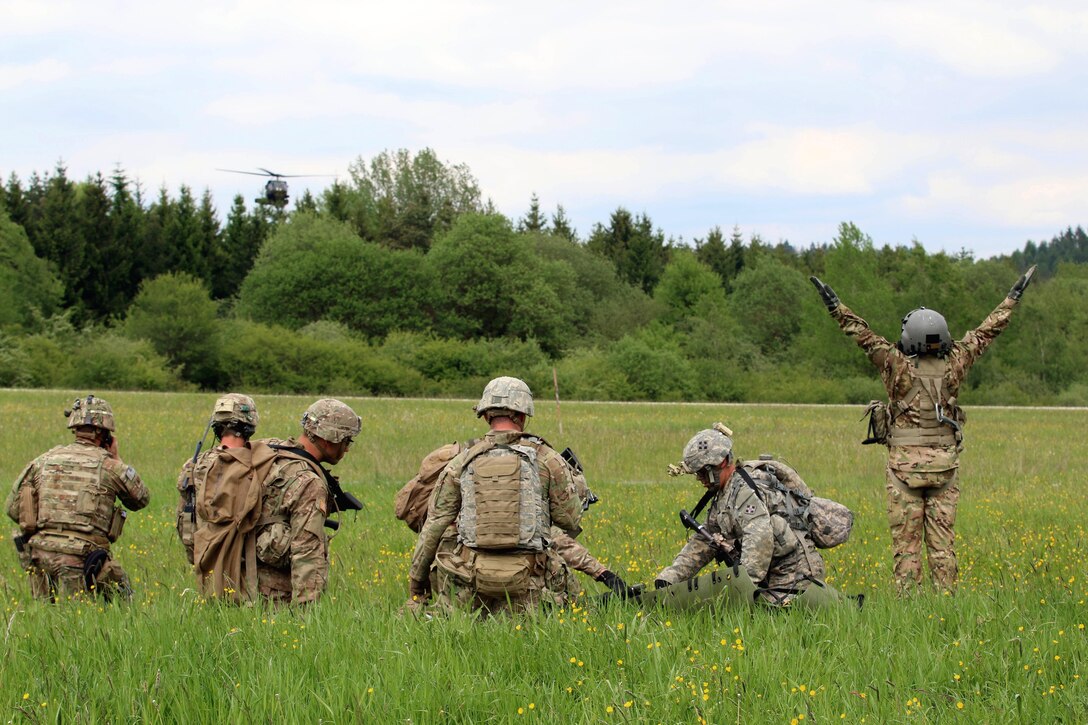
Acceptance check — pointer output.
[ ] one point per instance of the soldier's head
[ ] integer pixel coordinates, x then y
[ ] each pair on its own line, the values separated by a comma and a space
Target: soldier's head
709, 456
508, 398
90, 417
331, 427
235, 414
925, 332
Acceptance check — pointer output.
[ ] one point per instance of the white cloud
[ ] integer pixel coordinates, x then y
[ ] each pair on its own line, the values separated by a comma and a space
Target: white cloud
42, 71
1051, 201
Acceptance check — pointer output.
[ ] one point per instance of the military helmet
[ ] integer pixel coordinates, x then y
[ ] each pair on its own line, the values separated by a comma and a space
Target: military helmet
235, 408
506, 393
925, 332
331, 420
90, 410
708, 447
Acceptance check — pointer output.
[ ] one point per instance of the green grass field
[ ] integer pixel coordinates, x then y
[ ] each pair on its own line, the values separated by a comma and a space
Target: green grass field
1010, 647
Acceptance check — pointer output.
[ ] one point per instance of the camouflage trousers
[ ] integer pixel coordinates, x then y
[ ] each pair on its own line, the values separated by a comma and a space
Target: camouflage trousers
792, 574
473, 581
560, 580
922, 507
56, 576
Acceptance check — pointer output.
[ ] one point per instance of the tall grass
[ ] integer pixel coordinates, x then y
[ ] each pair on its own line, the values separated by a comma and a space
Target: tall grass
1011, 646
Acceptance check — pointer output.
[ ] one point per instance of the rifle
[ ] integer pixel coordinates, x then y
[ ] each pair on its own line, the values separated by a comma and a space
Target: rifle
722, 554
190, 501
572, 460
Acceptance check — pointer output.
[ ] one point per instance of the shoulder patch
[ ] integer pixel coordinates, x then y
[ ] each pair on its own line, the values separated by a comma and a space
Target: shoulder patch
129, 474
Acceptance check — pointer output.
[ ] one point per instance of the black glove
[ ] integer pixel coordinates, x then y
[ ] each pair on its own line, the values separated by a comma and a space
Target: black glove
830, 298
661, 584
1022, 284
617, 585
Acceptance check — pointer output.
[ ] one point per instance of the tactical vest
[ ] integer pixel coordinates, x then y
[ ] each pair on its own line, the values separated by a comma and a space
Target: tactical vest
503, 506
930, 399
71, 496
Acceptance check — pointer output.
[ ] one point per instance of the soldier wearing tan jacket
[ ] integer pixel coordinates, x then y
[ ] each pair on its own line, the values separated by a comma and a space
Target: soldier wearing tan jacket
291, 547
506, 493
922, 373
65, 504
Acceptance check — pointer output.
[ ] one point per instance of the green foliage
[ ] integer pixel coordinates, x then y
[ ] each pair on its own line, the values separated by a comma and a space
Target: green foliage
653, 365
177, 316
488, 283
263, 358
463, 367
60, 356
315, 268
631, 243
26, 282
686, 284
768, 300
403, 200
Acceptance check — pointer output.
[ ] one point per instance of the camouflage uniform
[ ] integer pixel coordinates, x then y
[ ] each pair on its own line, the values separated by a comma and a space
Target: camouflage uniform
565, 557
460, 564
292, 549
75, 487
777, 557
922, 480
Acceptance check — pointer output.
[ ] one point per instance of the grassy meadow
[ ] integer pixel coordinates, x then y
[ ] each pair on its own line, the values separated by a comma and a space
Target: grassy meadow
1010, 647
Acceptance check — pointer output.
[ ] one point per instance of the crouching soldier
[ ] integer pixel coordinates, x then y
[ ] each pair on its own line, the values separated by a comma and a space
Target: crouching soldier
749, 510
65, 505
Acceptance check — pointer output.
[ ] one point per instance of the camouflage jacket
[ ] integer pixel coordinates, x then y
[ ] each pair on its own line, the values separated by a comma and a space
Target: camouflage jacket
755, 521
575, 555
898, 373
75, 488
557, 489
291, 533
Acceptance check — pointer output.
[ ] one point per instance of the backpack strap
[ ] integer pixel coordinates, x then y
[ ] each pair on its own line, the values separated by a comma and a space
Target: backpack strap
751, 484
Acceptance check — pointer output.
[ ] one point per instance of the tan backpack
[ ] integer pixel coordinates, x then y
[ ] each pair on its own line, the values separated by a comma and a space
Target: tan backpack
410, 504
229, 507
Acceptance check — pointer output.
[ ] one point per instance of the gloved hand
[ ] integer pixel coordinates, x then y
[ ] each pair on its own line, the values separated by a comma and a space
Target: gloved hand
661, 584
617, 585
830, 298
1022, 284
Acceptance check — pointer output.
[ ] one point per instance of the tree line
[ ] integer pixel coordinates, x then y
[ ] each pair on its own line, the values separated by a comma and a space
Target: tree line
404, 280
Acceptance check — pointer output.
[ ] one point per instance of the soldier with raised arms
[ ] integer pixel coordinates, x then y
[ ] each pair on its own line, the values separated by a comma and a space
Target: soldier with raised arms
506, 493
65, 502
922, 425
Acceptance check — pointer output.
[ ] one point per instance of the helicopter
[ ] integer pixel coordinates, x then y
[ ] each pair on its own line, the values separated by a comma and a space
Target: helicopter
275, 190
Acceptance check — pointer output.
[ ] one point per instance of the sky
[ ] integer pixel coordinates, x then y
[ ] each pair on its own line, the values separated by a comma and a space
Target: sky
959, 125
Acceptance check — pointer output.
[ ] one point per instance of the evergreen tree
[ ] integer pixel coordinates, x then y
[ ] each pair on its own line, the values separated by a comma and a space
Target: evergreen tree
184, 236
103, 267
59, 237
638, 251
237, 249
306, 203
561, 225
533, 221
127, 221
16, 202
155, 252
208, 239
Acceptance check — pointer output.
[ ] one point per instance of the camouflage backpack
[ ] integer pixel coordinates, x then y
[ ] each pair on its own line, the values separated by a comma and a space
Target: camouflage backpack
828, 522
410, 503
